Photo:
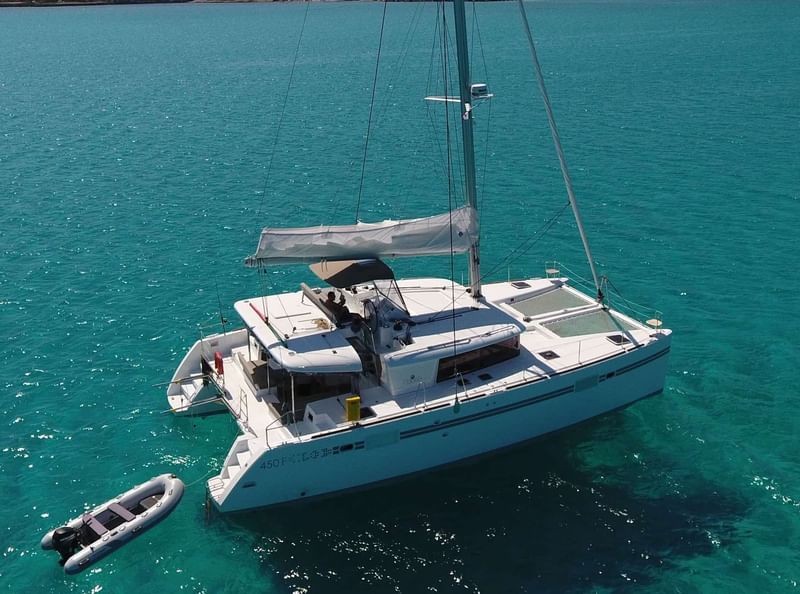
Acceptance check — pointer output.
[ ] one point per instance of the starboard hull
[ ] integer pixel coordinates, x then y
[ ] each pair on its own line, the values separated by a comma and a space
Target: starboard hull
479, 424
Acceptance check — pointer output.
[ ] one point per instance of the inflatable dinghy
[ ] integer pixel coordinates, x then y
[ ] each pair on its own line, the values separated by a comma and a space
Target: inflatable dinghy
90, 537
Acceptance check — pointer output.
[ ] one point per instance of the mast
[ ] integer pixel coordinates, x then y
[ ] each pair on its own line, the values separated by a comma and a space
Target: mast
470, 190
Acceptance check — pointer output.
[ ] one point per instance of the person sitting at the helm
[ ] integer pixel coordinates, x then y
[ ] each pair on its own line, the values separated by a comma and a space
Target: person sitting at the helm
339, 309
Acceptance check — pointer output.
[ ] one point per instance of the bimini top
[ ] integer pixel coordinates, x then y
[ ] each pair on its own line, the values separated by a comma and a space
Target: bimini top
347, 273
454, 231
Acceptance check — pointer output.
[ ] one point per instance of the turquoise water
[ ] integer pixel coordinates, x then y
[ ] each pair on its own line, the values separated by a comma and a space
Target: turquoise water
134, 147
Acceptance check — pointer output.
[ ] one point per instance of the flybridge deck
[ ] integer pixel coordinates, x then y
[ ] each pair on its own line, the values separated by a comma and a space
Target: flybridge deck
558, 329
301, 335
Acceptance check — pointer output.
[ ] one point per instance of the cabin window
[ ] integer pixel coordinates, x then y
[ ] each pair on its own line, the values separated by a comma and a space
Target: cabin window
478, 358
311, 387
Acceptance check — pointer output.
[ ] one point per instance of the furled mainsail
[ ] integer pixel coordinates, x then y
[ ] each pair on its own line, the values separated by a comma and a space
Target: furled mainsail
388, 239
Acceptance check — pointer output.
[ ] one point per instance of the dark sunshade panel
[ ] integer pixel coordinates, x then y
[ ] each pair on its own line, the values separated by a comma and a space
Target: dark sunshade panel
347, 273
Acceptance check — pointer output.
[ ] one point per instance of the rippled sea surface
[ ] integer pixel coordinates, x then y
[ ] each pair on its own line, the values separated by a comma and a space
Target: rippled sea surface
138, 161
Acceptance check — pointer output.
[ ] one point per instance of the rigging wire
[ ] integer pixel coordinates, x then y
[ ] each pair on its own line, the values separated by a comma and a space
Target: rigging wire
485, 158
515, 254
628, 304
448, 142
222, 319
283, 109
400, 65
396, 71
527, 243
441, 157
434, 137
562, 161
477, 33
442, 36
262, 273
458, 170
371, 107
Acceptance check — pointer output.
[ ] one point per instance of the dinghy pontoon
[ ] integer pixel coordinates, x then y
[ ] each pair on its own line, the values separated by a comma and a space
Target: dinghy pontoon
93, 535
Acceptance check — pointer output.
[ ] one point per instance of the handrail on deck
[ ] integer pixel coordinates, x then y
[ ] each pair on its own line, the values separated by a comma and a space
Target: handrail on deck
271, 428
193, 404
421, 385
634, 310
244, 410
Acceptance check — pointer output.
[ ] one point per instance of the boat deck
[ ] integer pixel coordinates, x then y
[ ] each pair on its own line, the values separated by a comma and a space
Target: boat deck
560, 329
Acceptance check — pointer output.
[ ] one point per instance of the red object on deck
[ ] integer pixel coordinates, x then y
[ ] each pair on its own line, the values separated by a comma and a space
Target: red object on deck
218, 363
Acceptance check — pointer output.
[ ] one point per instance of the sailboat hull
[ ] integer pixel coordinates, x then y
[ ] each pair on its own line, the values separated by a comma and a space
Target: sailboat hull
442, 434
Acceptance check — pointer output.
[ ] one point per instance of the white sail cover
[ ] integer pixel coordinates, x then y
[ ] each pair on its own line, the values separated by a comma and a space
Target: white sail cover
389, 239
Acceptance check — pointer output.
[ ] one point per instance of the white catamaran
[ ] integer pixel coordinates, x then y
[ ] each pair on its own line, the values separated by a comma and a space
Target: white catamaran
371, 377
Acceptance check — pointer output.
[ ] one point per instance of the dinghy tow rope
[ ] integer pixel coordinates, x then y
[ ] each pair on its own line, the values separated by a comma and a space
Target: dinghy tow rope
200, 479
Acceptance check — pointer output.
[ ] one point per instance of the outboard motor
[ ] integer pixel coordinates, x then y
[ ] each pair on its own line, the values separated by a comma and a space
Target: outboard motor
66, 542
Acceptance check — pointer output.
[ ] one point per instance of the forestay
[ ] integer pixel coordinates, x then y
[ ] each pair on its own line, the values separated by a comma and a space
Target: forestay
388, 239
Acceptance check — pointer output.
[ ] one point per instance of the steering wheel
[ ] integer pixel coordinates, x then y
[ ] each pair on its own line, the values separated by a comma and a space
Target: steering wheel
371, 314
